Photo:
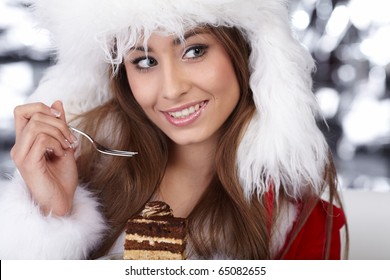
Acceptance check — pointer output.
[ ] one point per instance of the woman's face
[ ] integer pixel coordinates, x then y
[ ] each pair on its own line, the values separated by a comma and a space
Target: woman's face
188, 89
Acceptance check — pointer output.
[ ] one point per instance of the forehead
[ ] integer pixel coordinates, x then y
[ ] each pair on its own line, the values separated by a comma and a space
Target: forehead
178, 38
126, 40
148, 43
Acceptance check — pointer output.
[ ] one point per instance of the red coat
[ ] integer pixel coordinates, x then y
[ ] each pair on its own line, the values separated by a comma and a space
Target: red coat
310, 241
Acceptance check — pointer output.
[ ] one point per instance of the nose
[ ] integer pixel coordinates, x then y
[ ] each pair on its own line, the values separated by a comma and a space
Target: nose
176, 81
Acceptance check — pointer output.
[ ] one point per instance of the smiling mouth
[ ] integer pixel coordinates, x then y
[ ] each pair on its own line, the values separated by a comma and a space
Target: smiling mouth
182, 114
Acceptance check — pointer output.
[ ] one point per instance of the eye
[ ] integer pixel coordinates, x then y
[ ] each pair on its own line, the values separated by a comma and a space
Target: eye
195, 52
144, 63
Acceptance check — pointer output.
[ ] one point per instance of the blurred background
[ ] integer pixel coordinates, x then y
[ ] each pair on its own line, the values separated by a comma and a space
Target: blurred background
350, 41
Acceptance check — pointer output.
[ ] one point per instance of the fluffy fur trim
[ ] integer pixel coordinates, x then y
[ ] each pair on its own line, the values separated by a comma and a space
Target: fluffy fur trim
26, 234
283, 227
282, 143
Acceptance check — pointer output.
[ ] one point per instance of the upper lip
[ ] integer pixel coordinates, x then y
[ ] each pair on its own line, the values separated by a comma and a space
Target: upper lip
182, 107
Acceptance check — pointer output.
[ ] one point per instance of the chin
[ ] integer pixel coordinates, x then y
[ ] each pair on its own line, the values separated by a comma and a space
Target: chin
186, 140
183, 142
190, 136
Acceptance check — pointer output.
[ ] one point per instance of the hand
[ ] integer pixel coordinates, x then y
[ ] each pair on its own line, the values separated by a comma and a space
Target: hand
44, 155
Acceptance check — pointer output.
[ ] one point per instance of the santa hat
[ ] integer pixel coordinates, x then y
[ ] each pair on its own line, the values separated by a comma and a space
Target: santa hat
282, 144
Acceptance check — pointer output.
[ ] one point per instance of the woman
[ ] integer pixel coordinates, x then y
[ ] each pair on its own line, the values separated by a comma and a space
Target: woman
215, 98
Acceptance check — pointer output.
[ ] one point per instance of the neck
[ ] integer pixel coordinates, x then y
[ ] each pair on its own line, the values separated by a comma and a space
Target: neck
193, 159
189, 172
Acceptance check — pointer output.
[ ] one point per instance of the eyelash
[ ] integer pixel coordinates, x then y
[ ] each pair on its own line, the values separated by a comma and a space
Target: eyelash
199, 48
137, 60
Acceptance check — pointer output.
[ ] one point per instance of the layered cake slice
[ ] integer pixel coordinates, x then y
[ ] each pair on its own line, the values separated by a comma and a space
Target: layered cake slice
155, 234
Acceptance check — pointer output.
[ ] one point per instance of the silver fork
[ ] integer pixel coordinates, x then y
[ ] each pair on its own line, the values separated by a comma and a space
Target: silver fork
100, 148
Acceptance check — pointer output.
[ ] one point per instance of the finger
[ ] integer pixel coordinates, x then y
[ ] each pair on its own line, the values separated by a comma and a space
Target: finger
23, 113
56, 127
32, 131
39, 175
58, 106
44, 148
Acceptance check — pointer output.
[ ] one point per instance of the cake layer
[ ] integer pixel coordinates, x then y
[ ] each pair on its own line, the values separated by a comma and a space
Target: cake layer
155, 246
174, 228
154, 239
151, 255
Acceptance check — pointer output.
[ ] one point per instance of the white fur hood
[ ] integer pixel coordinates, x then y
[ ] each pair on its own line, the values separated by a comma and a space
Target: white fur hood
282, 144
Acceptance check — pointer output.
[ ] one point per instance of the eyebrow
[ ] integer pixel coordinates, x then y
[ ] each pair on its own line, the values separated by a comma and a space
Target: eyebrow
177, 41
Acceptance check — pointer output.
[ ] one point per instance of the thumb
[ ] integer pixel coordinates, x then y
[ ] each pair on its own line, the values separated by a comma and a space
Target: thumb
59, 107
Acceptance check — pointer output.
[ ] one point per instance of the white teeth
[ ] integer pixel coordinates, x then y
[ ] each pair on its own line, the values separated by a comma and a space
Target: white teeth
186, 112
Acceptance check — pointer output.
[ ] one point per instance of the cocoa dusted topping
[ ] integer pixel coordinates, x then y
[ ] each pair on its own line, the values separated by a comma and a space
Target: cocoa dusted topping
156, 208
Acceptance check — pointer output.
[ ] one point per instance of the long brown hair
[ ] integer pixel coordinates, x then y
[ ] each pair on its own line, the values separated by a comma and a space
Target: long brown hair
223, 222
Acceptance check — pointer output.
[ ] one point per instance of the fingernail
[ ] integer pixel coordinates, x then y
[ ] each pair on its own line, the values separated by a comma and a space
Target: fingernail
68, 144
55, 113
75, 144
75, 141
72, 145
73, 138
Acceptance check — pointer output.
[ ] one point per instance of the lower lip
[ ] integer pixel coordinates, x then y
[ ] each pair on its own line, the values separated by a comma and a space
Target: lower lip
181, 122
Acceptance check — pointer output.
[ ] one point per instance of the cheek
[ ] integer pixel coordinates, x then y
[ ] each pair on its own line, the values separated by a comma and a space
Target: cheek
224, 79
142, 92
